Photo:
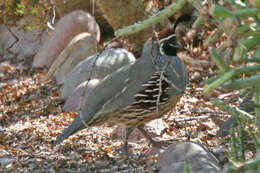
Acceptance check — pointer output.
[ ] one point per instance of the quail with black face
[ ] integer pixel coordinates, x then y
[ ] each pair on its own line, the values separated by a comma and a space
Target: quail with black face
136, 93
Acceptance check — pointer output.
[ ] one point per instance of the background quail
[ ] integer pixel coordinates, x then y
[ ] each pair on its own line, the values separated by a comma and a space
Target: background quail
130, 95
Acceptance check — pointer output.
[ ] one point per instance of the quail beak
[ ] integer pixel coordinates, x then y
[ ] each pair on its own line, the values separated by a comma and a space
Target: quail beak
178, 45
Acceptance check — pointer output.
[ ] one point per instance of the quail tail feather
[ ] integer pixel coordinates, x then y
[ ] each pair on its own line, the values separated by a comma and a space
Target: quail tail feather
73, 128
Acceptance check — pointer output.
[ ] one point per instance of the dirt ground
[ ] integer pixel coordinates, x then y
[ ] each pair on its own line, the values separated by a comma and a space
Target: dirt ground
31, 117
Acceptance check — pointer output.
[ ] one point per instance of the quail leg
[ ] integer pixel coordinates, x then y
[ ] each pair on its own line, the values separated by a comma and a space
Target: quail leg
161, 144
124, 149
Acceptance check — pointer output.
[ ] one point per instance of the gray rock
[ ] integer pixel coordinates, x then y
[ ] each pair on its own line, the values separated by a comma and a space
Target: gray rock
78, 98
110, 60
67, 28
199, 159
232, 121
226, 127
28, 42
6, 39
80, 47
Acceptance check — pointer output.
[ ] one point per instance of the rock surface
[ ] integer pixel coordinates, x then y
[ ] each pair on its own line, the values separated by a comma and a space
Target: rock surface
68, 27
27, 44
199, 159
78, 98
80, 47
108, 61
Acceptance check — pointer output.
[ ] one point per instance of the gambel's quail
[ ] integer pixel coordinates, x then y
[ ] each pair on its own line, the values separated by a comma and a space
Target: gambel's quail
136, 93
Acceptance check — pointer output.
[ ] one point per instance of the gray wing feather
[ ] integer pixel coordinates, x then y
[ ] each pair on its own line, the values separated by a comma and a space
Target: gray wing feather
118, 89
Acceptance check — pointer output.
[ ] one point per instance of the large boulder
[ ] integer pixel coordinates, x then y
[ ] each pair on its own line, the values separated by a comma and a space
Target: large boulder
80, 47
67, 28
105, 63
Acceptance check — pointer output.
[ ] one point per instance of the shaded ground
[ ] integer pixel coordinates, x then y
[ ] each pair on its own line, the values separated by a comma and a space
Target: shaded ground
31, 118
